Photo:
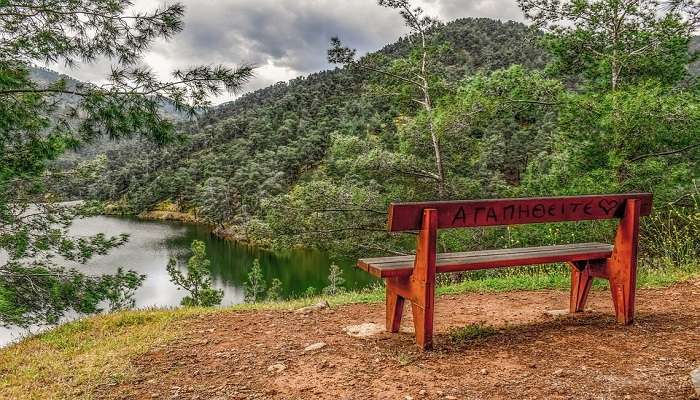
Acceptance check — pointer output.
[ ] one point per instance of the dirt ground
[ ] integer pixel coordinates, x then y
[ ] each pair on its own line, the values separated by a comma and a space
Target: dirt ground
533, 355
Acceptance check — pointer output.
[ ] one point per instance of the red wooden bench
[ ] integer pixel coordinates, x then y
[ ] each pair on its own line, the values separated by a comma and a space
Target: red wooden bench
412, 278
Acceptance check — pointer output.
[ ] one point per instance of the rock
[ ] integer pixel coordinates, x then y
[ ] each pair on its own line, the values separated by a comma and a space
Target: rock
558, 372
277, 368
695, 379
314, 307
423, 392
483, 371
557, 313
364, 330
314, 347
450, 398
407, 397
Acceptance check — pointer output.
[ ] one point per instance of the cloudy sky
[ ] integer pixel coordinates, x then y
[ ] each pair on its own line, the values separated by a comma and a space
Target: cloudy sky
285, 38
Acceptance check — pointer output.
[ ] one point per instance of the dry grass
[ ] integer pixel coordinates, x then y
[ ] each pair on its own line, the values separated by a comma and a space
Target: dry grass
72, 360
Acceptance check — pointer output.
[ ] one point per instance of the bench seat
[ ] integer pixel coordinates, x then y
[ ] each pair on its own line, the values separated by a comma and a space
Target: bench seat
387, 267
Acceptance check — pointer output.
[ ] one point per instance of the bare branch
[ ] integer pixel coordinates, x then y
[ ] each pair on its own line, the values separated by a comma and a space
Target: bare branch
666, 153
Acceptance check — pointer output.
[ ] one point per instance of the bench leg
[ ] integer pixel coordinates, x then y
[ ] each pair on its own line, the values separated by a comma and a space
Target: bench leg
419, 288
394, 308
622, 265
581, 281
423, 322
423, 280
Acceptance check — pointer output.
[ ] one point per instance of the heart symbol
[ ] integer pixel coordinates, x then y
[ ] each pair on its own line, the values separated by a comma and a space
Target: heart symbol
608, 205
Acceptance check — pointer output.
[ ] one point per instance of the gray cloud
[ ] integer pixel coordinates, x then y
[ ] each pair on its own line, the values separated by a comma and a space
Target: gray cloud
496, 9
288, 38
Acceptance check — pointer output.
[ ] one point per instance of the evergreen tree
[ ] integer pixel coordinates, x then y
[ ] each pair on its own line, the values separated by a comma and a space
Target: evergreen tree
274, 293
197, 281
335, 281
255, 286
40, 122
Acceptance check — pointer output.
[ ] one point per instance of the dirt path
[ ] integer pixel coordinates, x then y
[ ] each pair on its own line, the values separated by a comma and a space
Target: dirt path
532, 356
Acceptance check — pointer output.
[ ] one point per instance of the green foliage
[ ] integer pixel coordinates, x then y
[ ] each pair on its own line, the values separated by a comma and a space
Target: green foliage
309, 292
40, 121
217, 201
610, 43
672, 234
197, 281
335, 281
255, 286
52, 290
274, 292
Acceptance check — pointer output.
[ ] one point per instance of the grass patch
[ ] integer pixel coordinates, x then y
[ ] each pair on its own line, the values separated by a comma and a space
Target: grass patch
72, 360
471, 332
560, 279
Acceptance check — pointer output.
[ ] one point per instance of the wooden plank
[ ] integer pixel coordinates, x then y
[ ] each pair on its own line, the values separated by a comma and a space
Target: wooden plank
475, 213
513, 252
467, 261
622, 266
475, 253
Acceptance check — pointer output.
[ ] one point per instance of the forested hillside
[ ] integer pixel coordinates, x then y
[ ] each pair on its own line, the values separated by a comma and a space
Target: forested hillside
250, 150
315, 161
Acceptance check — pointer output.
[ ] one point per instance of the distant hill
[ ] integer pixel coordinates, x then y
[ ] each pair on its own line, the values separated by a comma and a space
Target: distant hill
477, 43
266, 140
46, 76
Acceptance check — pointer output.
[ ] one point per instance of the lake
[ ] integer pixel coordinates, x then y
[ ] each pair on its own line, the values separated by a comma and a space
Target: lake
152, 243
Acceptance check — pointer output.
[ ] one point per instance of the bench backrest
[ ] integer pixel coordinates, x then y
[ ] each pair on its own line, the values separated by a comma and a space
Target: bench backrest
475, 213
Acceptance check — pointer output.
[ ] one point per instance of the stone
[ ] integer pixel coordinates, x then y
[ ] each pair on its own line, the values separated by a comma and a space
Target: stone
558, 372
314, 307
484, 371
557, 313
695, 379
314, 347
407, 397
364, 330
279, 367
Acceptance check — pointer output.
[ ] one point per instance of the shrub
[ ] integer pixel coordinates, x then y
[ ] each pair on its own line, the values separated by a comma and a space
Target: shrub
198, 279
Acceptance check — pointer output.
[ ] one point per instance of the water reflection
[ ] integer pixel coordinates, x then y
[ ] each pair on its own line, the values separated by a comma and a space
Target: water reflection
151, 245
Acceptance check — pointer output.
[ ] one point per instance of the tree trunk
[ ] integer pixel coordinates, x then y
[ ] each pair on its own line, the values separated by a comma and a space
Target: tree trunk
438, 154
427, 103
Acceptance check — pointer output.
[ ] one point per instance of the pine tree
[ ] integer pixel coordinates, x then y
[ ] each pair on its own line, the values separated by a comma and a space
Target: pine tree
255, 285
198, 279
35, 130
335, 281
274, 293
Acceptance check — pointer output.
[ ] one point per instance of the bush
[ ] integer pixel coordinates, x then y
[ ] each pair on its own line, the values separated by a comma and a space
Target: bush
198, 279
274, 293
671, 236
335, 281
255, 285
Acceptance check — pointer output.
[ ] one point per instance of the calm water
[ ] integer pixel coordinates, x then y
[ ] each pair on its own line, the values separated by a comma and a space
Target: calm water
151, 244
